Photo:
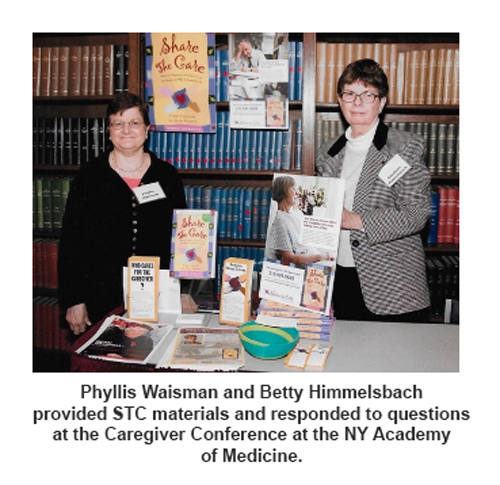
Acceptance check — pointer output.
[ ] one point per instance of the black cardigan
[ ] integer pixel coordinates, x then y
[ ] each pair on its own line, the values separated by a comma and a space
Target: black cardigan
104, 225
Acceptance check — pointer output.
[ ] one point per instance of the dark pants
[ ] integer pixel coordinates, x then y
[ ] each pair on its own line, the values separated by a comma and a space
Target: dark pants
348, 302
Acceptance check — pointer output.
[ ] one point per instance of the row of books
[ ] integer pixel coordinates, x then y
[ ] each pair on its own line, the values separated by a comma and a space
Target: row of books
444, 221
443, 277
442, 141
48, 330
243, 211
45, 253
68, 141
74, 141
80, 70
49, 201
295, 77
230, 149
421, 76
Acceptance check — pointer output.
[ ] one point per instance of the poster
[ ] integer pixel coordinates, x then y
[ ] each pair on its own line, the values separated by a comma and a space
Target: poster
258, 80
180, 81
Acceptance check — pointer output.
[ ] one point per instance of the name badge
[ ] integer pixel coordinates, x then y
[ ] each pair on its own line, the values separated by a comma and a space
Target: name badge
149, 193
393, 170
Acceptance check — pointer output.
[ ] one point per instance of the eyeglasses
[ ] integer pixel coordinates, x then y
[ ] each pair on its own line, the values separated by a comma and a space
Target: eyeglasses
119, 125
367, 97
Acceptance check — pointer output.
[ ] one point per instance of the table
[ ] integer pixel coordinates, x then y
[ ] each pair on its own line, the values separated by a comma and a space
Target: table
357, 347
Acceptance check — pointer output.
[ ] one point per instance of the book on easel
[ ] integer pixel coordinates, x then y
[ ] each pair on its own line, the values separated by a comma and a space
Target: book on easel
236, 294
194, 243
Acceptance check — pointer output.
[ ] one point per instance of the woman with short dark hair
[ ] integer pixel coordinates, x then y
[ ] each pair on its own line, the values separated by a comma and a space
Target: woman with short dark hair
105, 222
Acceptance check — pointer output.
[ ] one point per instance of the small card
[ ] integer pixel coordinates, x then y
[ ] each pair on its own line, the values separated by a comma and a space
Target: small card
149, 193
393, 170
318, 357
297, 359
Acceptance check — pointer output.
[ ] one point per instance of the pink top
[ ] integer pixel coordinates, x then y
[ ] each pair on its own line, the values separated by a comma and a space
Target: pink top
132, 183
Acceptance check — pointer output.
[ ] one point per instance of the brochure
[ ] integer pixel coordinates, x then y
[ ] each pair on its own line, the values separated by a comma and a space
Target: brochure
204, 349
143, 287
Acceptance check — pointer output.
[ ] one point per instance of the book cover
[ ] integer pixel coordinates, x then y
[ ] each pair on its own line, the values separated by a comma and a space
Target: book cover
317, 289
258, 80
194, 241
235, 304
143, 288
180, 81
124, 340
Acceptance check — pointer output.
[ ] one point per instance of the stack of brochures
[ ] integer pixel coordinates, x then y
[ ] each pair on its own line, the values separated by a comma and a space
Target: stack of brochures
311, 325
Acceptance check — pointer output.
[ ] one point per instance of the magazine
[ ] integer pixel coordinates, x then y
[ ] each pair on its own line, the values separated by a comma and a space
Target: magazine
124, 340
205, 349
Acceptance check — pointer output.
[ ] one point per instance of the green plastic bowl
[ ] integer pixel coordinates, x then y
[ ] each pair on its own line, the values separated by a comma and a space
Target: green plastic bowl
266, 342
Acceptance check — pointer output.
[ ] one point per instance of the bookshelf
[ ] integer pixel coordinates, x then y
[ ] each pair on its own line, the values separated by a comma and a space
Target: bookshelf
74, 78
309, 109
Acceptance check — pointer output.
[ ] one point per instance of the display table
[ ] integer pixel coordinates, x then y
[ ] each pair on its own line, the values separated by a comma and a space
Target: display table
357, 347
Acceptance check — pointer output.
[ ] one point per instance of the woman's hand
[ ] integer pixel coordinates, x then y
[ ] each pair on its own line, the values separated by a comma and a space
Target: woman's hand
78, 318
350, 220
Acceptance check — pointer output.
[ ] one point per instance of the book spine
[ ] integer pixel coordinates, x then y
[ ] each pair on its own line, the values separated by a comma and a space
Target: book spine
45, 71
75, 70
432, 237
54, 71
321, 48
298, 145
37, 71
299, 74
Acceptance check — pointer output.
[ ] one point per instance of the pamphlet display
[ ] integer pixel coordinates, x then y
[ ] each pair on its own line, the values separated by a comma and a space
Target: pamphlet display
317, 216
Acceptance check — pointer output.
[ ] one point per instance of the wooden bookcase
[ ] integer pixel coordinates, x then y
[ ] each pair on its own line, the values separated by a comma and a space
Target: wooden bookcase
51, 337
308, 109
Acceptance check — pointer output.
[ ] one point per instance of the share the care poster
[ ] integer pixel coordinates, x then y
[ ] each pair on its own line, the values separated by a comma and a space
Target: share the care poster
180, 81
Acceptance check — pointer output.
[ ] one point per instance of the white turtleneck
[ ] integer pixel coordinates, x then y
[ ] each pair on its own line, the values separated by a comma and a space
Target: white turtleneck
355, 155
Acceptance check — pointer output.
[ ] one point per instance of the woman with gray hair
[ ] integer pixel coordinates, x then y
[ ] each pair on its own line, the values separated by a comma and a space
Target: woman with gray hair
380, 273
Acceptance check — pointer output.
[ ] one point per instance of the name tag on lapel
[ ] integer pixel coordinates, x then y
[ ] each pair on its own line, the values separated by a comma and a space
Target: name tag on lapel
149, 193
393, 170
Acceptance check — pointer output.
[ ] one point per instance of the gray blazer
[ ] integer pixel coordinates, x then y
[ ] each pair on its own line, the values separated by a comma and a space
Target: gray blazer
388, 253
